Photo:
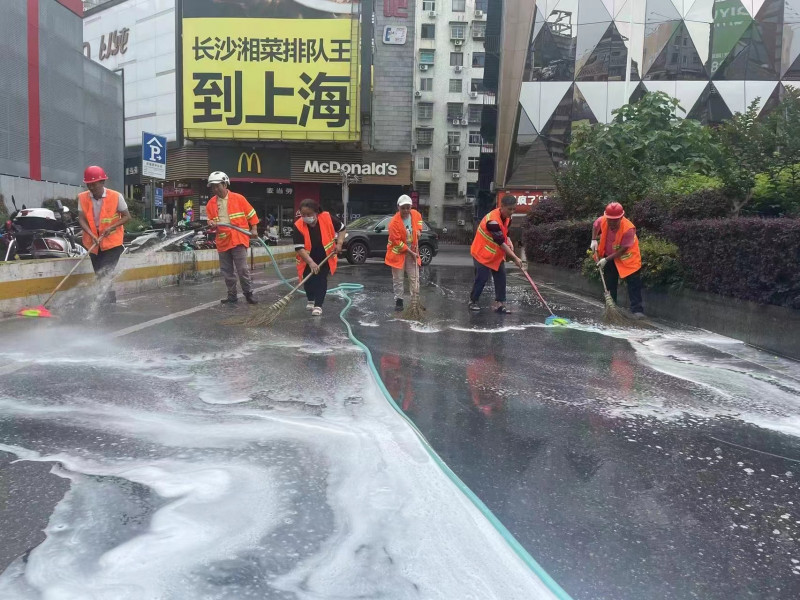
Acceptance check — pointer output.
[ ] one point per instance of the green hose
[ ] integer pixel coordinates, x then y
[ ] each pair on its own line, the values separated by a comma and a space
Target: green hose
344, 289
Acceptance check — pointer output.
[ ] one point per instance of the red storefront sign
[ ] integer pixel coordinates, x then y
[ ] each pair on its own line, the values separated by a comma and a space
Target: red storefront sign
525, 198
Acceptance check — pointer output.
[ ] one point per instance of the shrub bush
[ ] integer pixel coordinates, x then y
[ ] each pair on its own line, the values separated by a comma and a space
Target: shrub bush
548, 209
706, 204
651, 214
690, 183
562, 244
778, 196
660, 264
748, 258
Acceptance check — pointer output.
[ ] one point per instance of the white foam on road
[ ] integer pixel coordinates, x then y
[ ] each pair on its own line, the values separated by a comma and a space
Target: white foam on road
398, 526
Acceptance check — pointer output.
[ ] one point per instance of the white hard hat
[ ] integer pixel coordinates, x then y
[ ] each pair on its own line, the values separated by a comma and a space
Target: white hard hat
403, 200
218, 177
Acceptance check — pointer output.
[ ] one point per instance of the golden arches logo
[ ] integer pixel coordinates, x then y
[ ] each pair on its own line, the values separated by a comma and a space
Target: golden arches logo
250, 158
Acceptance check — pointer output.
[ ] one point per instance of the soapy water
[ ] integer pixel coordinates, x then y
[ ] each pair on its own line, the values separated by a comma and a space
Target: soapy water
276, 470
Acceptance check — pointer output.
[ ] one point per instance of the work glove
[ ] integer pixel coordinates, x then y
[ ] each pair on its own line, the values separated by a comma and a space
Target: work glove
593, 245
602, 263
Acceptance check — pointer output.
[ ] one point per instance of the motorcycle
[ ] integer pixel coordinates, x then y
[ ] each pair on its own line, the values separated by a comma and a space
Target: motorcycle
34, 233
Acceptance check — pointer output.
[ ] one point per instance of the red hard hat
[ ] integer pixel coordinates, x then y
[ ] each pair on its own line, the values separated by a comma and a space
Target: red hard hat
94, 173
614, 211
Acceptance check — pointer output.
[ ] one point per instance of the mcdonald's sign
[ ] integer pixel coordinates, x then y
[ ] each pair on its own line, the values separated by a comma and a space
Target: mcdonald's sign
249, 158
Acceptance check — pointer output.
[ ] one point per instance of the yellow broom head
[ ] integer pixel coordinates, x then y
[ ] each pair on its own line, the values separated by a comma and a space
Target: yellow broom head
415, 310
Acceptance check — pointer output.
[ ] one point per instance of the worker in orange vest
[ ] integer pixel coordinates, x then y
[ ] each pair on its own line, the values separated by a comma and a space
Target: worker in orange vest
489, 250
402, 249
102, 214
615, 242
228, 207
316, 234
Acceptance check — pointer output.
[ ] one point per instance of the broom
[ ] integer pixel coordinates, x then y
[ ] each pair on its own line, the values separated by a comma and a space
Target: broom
41, 310
415, 310
552, 319
263, 317
612, 314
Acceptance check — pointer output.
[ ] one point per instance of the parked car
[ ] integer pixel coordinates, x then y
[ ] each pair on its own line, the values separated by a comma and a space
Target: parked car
368, 236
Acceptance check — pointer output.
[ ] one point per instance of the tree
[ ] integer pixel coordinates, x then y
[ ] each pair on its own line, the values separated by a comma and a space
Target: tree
621, 161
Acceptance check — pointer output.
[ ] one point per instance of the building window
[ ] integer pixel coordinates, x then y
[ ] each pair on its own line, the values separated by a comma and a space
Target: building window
481, 5
425, 110
424, 136
423, 187
476, 85
428, 31
450, 190
459, 5
428, 5
472, 189
456, 59
455, 85
479, 59
458, 31
473, 163
452, 164
453, 138
423, 163
474, 138
478, 30
455, 110
475, 111
426, 57
426, 84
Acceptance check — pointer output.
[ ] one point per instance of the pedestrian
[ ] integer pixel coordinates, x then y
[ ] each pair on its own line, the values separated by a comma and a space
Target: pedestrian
316, 234
402, 249
615, 242
102, 213
489, 250
230, 208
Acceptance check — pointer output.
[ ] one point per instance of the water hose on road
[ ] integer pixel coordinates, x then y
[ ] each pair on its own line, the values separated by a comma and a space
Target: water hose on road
345, 289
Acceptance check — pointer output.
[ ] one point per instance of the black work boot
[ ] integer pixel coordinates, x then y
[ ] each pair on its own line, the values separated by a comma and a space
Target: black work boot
250, 299
229, 300
398, 305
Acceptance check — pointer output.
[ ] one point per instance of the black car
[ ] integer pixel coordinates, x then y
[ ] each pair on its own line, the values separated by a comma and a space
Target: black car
369, 235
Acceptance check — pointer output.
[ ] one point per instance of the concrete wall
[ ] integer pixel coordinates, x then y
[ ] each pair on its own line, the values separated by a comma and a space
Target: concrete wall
31, 193
28, 283
773, 328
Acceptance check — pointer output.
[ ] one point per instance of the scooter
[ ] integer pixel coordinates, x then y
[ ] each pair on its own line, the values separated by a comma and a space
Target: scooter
34, 233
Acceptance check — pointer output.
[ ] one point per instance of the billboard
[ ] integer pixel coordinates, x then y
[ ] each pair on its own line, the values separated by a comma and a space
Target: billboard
266, 70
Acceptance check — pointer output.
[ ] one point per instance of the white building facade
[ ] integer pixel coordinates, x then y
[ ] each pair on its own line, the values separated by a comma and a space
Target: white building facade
448, 101
138, 37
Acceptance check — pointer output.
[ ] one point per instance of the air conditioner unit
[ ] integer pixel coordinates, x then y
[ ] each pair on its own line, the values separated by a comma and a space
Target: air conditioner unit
458, 42
479, 14
423, 67
417, 94
454, 148
471, 94
470, 200
456, 175
459, 69
456, 121
461, 222
432, 14
464, 122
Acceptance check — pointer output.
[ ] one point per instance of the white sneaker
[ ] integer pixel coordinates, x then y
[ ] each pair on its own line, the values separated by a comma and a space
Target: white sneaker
309, 306
317, 311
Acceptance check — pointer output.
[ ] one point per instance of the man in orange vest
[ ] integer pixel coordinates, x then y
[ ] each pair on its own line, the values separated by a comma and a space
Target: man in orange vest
402, 249
102, 214
489, 250
230, 208
615, 242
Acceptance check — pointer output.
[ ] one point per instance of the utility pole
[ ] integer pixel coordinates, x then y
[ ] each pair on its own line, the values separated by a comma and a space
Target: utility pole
347, 179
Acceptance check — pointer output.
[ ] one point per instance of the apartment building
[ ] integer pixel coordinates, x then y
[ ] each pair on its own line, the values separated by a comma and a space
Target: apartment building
448, 101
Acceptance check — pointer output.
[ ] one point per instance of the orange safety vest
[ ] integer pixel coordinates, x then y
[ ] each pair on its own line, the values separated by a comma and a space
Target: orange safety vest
627, 263
396, 246
484, 249
108, 216
240, 214
328, 235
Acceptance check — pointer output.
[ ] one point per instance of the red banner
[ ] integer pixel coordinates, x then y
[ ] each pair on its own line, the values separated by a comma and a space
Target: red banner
525, 198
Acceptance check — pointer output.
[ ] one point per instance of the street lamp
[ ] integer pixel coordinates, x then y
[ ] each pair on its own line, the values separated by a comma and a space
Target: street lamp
347, 179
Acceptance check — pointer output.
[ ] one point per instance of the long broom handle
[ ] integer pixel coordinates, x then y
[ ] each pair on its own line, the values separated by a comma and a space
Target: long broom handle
602, 277
536, 289
77, 264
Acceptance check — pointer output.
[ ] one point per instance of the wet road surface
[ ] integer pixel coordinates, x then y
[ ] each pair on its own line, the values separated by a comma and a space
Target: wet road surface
195, 459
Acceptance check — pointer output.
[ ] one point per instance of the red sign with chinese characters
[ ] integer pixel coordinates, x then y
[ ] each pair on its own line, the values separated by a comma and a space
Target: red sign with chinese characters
395, 8
525, 198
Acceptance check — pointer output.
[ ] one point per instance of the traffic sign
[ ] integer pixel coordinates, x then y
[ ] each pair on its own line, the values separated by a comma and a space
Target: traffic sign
154, 155
159, 198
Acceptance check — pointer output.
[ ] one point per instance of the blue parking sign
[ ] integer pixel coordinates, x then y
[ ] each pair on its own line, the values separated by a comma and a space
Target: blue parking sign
159, 198
154, 156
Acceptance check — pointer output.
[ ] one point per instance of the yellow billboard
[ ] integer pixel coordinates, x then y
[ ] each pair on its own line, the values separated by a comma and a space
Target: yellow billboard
271, 79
